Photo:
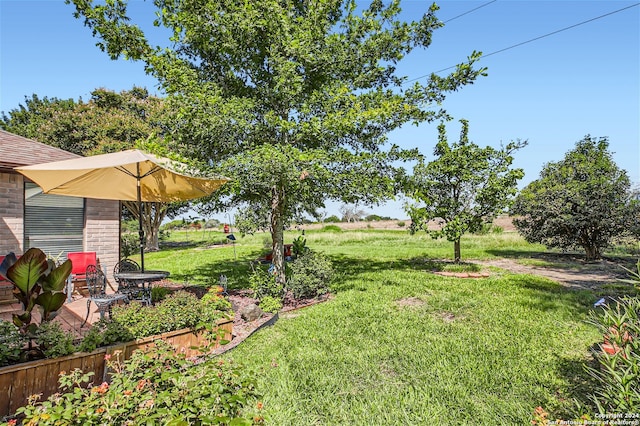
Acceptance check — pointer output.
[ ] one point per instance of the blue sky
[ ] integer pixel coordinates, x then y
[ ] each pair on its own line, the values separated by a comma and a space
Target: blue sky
551, 92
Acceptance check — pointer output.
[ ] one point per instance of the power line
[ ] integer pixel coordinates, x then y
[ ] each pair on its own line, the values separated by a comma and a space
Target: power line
531, 40
472, 10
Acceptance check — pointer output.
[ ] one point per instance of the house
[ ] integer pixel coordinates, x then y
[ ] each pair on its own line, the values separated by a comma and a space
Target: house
55, 224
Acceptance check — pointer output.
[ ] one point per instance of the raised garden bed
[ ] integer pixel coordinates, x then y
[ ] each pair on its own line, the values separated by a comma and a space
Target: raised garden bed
19, 381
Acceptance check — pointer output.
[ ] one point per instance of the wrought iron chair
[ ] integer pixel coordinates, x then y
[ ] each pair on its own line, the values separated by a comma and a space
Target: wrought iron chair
130, 289
96, 284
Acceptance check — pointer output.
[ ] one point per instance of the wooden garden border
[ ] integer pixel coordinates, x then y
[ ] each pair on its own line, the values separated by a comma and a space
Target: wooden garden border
19, 381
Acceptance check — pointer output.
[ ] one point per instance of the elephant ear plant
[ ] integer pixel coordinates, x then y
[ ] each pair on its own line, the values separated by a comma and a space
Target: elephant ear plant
36, 282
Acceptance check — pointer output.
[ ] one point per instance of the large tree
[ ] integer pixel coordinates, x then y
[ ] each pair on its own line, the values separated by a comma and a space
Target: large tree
464, 187
107, 122
291, 99
582, 201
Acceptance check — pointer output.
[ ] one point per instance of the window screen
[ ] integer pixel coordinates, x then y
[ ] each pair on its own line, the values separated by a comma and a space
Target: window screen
52, 223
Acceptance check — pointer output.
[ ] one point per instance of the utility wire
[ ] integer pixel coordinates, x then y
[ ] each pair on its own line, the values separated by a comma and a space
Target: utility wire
472, 10
530, 40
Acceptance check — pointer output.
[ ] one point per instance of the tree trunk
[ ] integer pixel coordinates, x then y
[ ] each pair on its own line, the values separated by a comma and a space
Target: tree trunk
153, 215
592, 252
277, 235
456, 251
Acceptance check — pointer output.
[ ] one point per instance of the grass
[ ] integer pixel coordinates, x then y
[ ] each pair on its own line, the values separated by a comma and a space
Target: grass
399, 345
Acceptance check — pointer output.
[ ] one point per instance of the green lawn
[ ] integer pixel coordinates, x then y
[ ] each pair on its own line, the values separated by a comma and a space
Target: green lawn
399, 345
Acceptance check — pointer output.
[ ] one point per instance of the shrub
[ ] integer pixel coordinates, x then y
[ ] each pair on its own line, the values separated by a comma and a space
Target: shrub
153, 387
11, 343
618, 358
128, 244
53, 341
264, 284
179, 310
213, 299
310, 275
104, 333
158, 294
270, 304
331, 228
400, 224
332, 219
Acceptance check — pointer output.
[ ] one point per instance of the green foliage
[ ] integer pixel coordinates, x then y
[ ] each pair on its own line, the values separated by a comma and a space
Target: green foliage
263, 284
179, 310
300, 246
401, 224
331, 228
634, 276
37, 282
489, 228
11, 343
156, 386
129, 245
213, 299
271, 304
294, 102
53, 341
332, 219
582, 201
158, 294
310, 275
618, 372
464, 187
104, 333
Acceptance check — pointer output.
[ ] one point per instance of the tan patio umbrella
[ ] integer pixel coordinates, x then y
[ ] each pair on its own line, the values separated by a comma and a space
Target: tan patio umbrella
131, 175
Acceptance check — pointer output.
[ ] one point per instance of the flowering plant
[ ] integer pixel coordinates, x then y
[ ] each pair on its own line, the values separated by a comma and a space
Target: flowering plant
154, 386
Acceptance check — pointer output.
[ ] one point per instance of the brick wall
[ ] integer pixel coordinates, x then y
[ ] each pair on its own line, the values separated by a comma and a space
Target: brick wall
11, 213
102, 232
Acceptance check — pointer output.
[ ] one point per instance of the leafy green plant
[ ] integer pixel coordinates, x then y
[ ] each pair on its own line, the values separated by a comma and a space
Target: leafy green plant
11, 343
129, 244
155, 386
401, 224
179, 310
213, 299
634, 276
300, 246
104, 333
618, 359
270, 304
158, 294
53, 341
37, 282
310, 275
263, 284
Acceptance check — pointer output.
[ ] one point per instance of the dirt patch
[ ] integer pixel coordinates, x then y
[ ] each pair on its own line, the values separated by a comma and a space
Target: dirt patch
410, 302
568, 271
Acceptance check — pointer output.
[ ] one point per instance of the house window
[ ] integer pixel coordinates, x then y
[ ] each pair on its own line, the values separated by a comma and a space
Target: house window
53, 223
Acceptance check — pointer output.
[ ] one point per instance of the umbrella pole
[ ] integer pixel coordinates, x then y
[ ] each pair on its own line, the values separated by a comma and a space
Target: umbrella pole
140, 229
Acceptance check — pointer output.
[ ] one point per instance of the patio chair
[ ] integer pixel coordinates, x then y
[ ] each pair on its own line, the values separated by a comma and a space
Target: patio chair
96, 284
130, 289
79, 262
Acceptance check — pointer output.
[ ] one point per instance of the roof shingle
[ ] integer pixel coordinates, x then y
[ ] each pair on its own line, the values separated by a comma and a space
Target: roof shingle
19, 151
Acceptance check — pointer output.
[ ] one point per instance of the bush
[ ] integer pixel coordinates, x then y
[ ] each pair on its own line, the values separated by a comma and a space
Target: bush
158, 294
310, 276
270, 304
179, 310
104, 333
332, 219
128, 244
11, 343
264, 284
53, 341
400, 224
331, 228
153, 387
618, 358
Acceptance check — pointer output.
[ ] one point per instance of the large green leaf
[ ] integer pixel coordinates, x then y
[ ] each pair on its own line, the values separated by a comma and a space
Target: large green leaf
50, 302
26, 272
57, 278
